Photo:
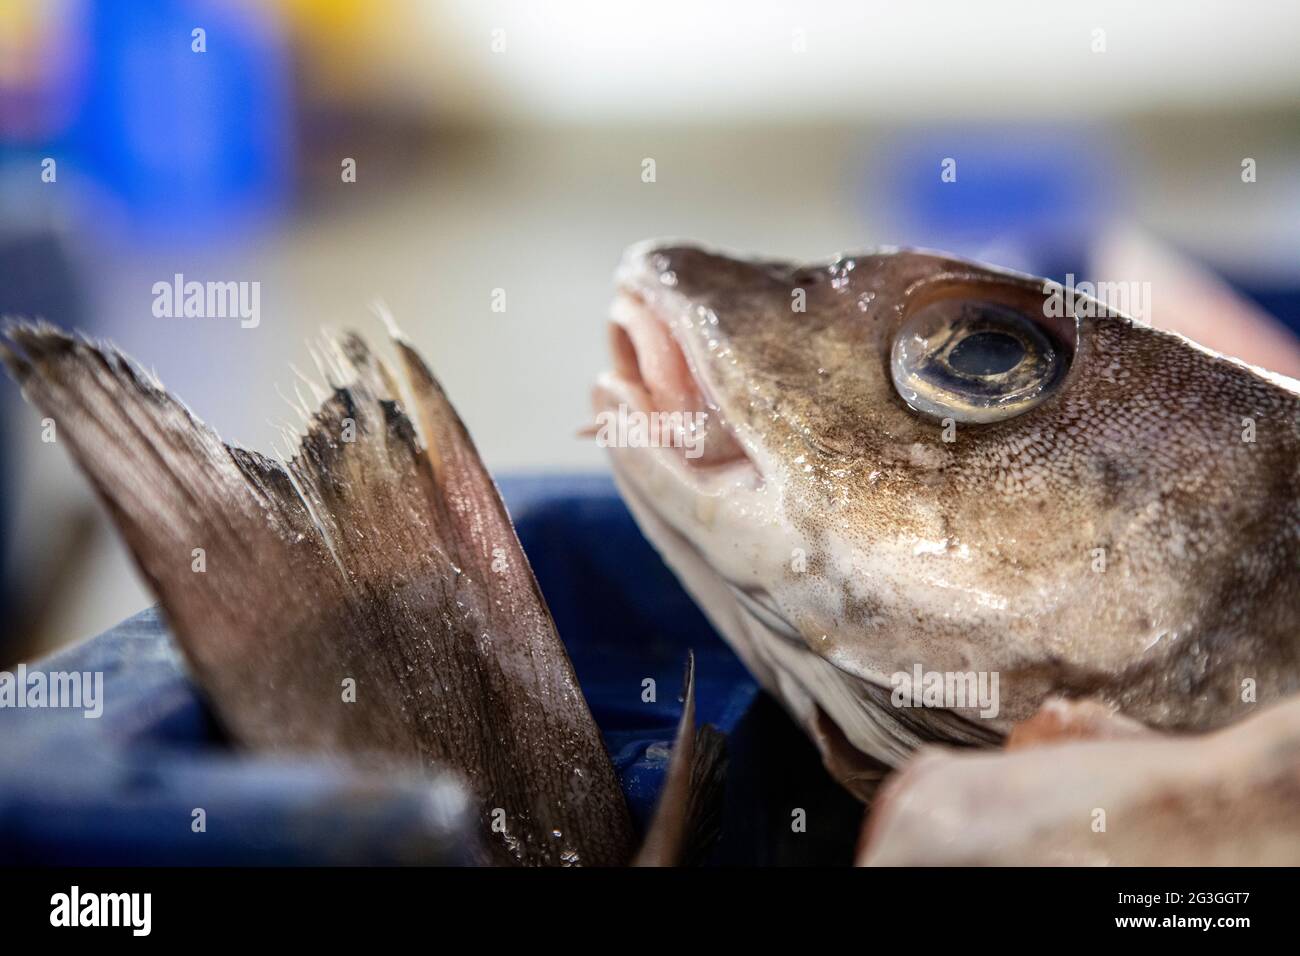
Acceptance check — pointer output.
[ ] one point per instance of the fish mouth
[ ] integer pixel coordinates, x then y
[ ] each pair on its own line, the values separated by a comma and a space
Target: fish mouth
656, 395
671, 443
706, 493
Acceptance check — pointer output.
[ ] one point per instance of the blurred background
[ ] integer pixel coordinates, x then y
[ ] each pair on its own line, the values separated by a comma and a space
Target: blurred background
447, 158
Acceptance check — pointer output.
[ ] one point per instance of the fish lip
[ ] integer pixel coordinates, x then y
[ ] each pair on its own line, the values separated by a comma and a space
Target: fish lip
640, 292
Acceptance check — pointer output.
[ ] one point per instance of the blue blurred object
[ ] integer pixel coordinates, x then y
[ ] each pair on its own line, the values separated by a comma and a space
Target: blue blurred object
1025, 197
188, 144
121, 789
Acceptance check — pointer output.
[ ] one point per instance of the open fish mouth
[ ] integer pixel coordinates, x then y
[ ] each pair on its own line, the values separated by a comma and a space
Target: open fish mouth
656, 387
675, 449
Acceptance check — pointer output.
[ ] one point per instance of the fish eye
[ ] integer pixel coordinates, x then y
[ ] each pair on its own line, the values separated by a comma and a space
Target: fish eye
975, 360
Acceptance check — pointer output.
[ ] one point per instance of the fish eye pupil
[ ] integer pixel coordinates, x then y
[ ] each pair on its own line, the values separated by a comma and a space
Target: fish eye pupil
976, 359
986, 353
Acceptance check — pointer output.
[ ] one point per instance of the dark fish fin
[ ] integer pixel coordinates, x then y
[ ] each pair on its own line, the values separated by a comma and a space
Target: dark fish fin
708, 785
688, 816
367, 597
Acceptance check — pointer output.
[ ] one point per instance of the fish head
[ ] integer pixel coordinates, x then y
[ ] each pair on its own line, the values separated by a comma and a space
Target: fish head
900, 464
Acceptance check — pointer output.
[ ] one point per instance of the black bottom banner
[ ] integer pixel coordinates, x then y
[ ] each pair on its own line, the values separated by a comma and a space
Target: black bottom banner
333, 905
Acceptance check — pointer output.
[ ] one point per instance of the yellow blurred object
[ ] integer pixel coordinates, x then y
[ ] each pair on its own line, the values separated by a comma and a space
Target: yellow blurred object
31, 63
22, 26
338, 20
420, 58
339, 41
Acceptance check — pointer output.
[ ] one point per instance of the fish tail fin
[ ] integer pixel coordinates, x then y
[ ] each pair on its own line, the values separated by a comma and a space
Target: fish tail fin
366, 596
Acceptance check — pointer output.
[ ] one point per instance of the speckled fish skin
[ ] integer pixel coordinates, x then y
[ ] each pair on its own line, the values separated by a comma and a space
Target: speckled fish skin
975, 554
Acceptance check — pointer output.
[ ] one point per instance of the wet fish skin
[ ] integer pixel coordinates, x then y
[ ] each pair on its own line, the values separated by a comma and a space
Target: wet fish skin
975, 554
